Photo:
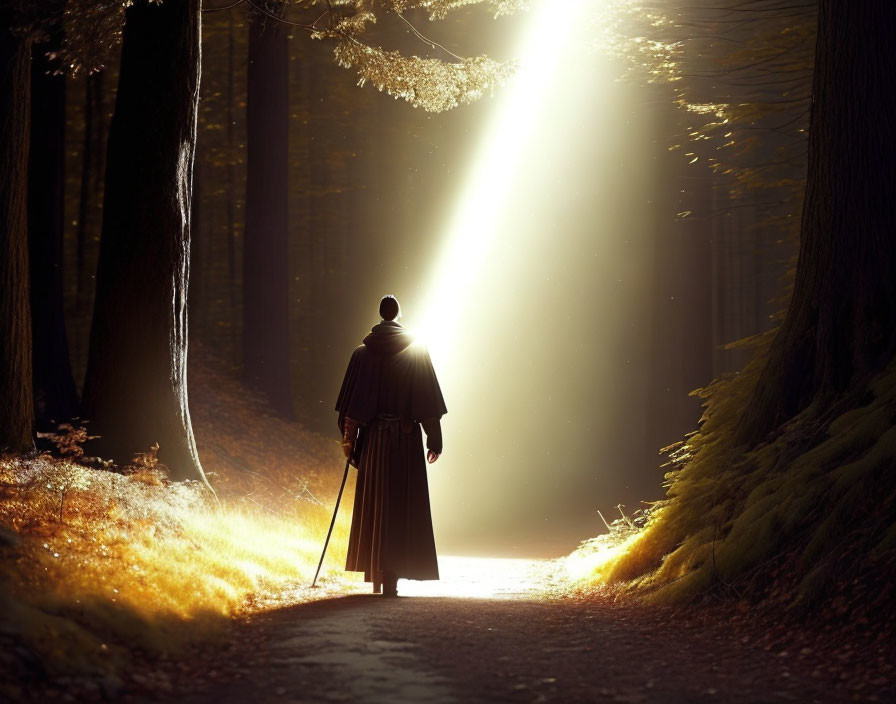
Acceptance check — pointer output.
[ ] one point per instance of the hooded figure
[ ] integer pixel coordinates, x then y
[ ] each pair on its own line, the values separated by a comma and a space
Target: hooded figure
390, 389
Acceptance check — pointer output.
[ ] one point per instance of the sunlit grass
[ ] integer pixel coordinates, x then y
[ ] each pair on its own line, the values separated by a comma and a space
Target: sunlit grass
156, 551
96, 563
818, 495
592, 561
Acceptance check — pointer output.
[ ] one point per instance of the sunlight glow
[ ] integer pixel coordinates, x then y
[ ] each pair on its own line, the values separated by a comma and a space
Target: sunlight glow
470, 239
132, 542
591, 560
480, 578
530, 310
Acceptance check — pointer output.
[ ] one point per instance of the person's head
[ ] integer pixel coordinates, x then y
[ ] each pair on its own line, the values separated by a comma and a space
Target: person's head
389, 308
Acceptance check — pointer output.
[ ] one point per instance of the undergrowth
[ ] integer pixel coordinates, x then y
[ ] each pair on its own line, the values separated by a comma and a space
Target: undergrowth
817, 497
97, 565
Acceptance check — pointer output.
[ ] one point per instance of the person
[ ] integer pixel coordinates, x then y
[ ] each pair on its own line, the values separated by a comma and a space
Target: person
390, 389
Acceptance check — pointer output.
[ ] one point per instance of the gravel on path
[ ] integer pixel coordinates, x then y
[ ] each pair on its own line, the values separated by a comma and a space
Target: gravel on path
504, 641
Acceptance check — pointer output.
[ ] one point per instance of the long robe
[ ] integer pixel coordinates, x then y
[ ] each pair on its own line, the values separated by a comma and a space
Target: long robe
390, 388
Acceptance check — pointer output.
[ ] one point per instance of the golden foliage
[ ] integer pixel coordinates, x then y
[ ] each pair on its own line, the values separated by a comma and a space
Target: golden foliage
590, 561
92, 31
160, 549
113, 560
68, 439
439, 9
430, 84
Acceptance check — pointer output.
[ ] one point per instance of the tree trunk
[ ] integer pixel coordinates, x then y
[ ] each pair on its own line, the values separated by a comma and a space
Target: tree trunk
93, 161
195, 282
16, 404
55, 397
233, 318
136, 388
266, 250
840, 328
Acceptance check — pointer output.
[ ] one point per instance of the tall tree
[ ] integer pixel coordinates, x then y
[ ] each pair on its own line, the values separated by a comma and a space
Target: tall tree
266, 241
93, 163
16, 404
136, 387
231, 222
840, 327
55, 397
195, 282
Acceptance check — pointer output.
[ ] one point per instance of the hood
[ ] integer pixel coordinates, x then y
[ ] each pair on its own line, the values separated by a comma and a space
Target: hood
388, 338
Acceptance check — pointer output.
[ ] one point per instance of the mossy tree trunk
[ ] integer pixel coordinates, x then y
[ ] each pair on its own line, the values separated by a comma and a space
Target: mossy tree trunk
55, 397
136, 387
16, 403
266, 241
840, 328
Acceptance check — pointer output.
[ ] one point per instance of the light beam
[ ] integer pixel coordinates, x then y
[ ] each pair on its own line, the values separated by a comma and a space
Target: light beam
470, 239
533, 312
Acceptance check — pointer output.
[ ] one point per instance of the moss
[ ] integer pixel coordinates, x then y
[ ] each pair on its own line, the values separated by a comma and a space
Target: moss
684, 588
813, 490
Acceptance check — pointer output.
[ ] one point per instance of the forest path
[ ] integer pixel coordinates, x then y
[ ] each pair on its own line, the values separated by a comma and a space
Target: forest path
495, 639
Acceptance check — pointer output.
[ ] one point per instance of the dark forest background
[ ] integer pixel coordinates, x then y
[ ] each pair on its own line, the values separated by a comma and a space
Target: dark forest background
364, 190
312, 197
355, 211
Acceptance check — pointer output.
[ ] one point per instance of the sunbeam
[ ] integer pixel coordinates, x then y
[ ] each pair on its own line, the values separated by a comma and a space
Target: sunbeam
550, 230
470, 240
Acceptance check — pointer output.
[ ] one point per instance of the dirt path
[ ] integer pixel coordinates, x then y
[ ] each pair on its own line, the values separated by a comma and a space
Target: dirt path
500, 642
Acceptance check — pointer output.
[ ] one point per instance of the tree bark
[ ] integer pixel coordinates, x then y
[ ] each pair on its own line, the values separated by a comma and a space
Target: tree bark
266, 249
136, 388
55, 397
195, 282
16, 403
840, 328
93, 161
233, 317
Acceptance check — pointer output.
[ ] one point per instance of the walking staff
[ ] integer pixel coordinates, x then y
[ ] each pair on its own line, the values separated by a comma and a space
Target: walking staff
348, 462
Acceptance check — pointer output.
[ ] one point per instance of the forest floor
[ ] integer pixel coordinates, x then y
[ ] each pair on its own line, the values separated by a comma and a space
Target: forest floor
491, 632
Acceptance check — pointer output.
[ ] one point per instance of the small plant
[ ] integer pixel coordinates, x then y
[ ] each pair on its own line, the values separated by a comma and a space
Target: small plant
147, 460
145, 467
68, 439
61, 479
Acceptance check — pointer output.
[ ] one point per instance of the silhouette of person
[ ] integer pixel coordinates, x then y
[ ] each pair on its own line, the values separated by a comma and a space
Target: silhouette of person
389, 390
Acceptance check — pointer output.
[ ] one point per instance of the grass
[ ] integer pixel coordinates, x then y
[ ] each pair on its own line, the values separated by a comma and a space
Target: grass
812, 507
98, 565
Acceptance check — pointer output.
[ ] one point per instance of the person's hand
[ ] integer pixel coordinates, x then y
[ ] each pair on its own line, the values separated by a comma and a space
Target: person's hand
431, 457
349, 436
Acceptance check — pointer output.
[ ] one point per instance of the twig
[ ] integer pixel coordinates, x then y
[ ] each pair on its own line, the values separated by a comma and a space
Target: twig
624, 517
426, 39
225, 7
263, 11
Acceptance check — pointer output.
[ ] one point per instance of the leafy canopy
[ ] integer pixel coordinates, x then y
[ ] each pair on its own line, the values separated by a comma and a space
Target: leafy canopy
92, 31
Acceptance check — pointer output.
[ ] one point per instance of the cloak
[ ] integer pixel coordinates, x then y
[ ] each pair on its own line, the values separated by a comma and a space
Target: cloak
389, 375
390, 388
